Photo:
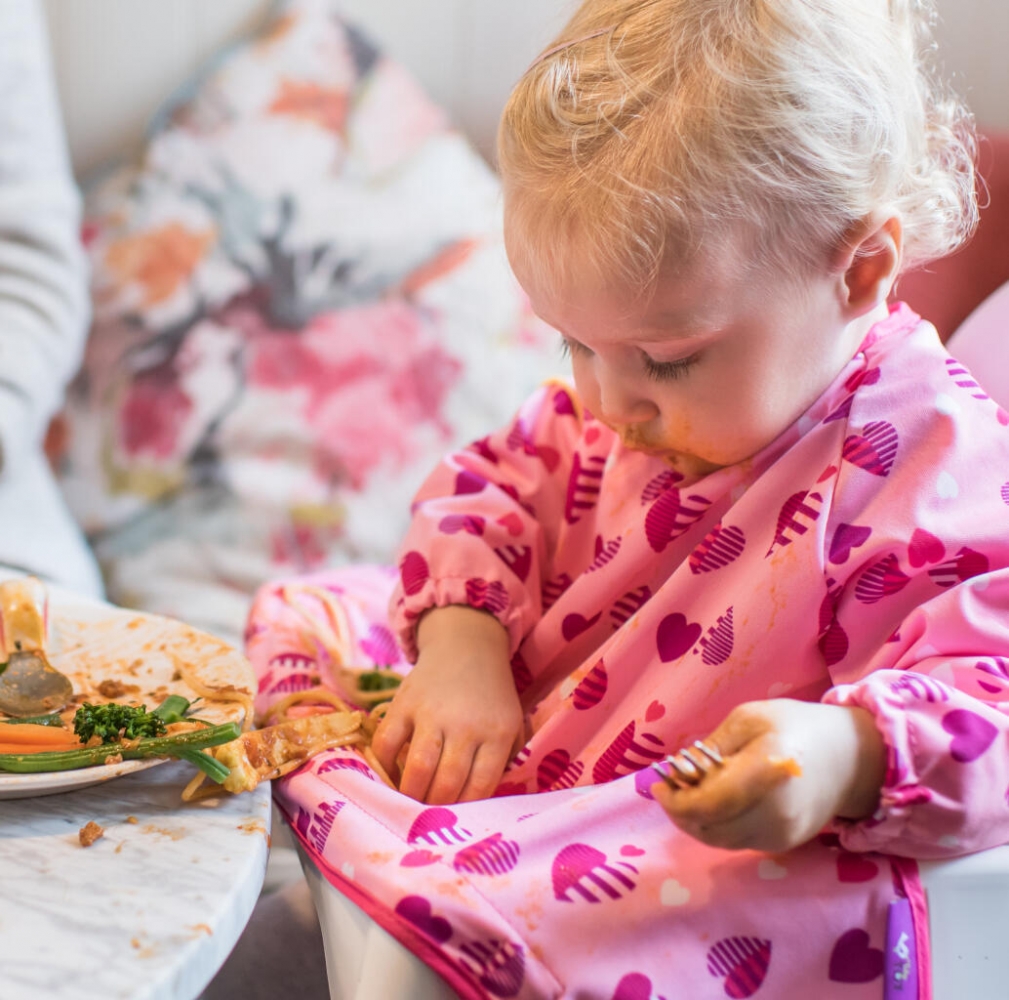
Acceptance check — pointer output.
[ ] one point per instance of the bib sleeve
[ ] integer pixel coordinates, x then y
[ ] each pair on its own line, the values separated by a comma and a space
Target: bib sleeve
486, 521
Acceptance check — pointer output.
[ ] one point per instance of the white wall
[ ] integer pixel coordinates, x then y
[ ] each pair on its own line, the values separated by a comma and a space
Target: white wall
469, 52
973, 37
116, 60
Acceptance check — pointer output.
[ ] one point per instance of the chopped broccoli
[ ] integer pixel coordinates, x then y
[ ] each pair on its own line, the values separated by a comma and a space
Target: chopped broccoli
377, 680
113, 723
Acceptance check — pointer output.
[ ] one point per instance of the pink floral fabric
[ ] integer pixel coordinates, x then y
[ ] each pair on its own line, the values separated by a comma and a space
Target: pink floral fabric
301, 301
860, 559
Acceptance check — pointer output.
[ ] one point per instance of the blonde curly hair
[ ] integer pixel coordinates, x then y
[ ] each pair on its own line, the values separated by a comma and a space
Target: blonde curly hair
649, 128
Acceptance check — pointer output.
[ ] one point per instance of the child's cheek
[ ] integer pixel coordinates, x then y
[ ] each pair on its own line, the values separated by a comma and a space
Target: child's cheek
586, 385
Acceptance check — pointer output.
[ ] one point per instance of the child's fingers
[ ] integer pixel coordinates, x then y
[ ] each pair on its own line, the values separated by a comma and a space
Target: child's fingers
467, 771
753, 830
747, 777
733, 835
421, 764
744, 724
489, 763
390, 737
452, 774
733, 787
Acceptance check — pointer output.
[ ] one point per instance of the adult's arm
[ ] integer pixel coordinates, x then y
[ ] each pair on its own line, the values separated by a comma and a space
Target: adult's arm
43, 277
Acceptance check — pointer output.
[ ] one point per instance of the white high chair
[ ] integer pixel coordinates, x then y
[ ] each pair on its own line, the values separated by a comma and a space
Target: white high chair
968, 897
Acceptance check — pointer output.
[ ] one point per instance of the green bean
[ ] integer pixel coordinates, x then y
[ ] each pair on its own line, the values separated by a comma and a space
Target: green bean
175, 745
172, 709
36, 720
210, 766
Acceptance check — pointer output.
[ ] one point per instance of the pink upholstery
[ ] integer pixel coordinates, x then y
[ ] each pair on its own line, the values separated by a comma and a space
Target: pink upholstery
981, 343
945, 292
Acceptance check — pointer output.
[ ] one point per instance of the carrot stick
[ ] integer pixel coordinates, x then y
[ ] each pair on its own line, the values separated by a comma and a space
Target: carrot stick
21, 749
30, 734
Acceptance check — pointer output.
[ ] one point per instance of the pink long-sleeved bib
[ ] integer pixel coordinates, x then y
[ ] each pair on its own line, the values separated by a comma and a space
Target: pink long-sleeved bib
860, 559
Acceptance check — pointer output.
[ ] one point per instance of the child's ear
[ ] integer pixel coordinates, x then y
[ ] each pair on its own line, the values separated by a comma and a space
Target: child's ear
870, 261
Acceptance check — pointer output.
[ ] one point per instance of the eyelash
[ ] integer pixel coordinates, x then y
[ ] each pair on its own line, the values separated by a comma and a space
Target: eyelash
661, 371
666, 371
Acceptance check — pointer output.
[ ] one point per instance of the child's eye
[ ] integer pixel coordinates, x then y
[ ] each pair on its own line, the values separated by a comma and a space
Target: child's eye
669, 370
569, 347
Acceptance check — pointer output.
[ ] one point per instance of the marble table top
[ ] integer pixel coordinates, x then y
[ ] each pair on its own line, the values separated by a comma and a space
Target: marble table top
149, 911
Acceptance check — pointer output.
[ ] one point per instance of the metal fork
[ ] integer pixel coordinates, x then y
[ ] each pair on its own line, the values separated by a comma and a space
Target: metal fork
690, 765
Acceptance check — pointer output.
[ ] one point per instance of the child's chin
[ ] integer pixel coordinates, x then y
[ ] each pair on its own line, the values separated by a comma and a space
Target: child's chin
685, 462
691, 467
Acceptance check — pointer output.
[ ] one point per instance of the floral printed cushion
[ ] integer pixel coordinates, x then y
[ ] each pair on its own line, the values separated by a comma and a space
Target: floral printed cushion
301, 301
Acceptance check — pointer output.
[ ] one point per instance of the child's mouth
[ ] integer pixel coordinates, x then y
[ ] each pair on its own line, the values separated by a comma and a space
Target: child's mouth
636, 441
690, 465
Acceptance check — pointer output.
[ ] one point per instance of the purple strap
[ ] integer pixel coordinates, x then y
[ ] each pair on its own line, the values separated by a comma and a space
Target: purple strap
901, 968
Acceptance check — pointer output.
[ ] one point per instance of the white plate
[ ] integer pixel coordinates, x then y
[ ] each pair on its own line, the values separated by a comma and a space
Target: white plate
26, 786
93, 642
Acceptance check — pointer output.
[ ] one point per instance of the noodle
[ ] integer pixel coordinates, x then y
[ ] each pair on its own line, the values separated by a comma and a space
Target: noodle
328, 628
369, 755
288, 741
334, 633
189, 793
314, 695
353, 739
228, 693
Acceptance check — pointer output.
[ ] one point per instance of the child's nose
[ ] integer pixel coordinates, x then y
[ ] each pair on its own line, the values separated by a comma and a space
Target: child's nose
624, 402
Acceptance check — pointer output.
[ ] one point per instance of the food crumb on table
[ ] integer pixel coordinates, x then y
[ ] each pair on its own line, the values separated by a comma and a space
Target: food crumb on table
89, 833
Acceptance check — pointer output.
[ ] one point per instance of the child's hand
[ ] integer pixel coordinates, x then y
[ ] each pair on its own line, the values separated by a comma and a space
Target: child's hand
456, 713
790, 768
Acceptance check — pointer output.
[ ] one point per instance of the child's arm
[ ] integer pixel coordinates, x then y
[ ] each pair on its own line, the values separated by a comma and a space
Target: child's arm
457, 710
486, 522
940, 718
791, 767
945, 789
484, 528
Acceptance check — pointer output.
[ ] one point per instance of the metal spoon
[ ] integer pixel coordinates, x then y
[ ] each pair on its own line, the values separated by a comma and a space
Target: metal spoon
29, 684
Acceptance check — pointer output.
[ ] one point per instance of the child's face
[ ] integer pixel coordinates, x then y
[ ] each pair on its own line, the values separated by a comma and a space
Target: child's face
709, 369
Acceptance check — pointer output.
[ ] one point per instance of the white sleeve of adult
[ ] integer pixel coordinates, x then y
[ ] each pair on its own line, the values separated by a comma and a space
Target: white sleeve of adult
44, 308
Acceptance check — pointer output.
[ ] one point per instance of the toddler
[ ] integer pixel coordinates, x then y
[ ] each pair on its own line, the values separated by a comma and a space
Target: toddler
772, 516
